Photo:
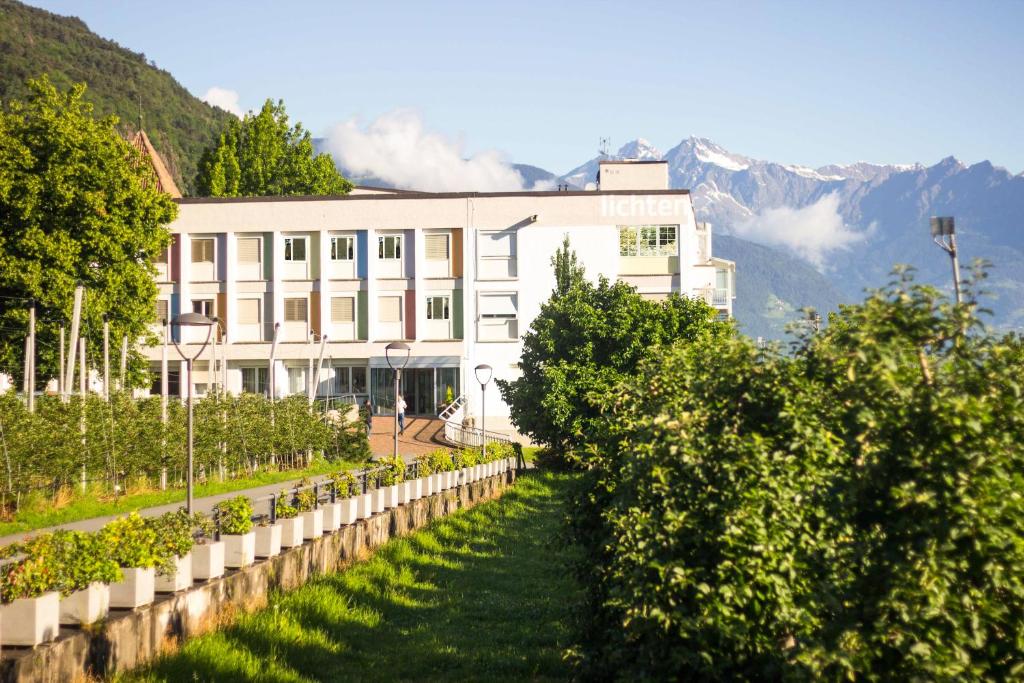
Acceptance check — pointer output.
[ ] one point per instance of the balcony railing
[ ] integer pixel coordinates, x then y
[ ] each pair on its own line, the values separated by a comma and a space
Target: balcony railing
716, 297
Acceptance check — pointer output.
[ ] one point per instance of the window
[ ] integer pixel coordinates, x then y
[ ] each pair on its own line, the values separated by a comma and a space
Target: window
294, 248
648, 240
342, 248
297, 381
163, 258
248, 311
296, 310
254, 380
161, 311
343, 309
436, 247
249, 249
437, 308
498, 314
389, 247
359, 380
497, 254
389, 309
204, 306
202, 251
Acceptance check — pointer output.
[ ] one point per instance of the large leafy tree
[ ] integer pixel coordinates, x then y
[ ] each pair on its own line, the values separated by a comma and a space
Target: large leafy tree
263, 155
588, 338
77, 204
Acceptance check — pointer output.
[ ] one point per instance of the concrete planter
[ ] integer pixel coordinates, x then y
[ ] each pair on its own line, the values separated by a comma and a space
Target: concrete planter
268, 540
208, 560
313, 523
332, 516
365, 505
453, 479
291, 532
417, 489
438, 482
239, 550
404, 493
379, 496
86, 606
428, 485
463, 476
137, 588
179, 579
30, 621
349, 510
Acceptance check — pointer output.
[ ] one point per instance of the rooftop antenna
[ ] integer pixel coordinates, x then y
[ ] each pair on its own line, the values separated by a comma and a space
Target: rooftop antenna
603, 146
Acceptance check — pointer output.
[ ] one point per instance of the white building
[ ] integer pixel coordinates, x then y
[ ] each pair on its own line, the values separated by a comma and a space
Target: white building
458, 276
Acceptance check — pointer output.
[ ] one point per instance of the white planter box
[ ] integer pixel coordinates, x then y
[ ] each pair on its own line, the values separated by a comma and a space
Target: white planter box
268, 540
428, 485
180, 579
438, 484
313, 523
332, 516
391, 499
86, 606
378, 500
208, 560
365, 505
239, 550
404, 493
463, 476
291, 532
453, 478
30, 621
138, 588
349, 510
417, 489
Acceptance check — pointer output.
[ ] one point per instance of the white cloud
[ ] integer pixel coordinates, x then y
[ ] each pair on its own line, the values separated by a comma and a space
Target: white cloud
398, 149
811, 231
223, 98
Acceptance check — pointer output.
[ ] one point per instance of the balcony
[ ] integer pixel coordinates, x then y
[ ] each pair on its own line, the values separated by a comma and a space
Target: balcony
716, 297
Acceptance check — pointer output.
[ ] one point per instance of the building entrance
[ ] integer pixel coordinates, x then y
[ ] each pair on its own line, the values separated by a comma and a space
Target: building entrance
424, 389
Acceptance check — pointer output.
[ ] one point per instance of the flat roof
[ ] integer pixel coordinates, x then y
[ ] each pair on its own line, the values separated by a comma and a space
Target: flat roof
631, 161
412, 194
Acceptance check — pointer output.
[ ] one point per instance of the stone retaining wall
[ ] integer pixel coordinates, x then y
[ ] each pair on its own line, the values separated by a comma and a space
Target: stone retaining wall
129, 638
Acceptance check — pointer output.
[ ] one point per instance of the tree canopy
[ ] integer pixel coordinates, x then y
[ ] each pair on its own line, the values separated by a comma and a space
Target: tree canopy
77, 204
262, 155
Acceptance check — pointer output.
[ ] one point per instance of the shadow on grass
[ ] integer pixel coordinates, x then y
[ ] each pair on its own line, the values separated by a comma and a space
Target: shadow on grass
484, 594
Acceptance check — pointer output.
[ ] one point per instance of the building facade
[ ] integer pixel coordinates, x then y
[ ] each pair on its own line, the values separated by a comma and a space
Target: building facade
459, 277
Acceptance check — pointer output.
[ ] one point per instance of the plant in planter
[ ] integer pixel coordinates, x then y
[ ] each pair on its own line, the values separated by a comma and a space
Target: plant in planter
308, 506
174, 541
289, 519
30, 609
85, 570
235, 517
392, 475
131, 543
208, 551
347, 493
441, 463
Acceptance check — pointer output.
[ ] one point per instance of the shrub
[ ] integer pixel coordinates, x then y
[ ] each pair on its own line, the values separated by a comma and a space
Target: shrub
82, 559
29, 577
204, 528
305, 499
499, 450
235, 516
131, 542
345, 484
283, 508
394, 470
424, 467
174, 537
440, 460
466, 457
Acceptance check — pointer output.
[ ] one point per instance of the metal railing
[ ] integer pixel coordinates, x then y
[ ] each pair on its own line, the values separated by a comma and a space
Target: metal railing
471, 437
713, 296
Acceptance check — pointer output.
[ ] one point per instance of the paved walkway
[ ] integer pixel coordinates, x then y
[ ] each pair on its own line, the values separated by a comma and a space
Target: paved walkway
422, 435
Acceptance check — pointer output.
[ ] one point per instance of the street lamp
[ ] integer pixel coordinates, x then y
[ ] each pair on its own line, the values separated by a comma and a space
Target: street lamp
393, 354
483, 375
943, 227
182, 321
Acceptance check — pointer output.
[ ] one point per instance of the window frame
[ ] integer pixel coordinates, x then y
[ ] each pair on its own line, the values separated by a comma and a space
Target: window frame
396, 249
257, 371
213, 249
488, 319
447, 237
304, 299
511, 258
355, 310
212, 306
259, 248
289, 249
446, 303
351, 251
401, 308
649, 241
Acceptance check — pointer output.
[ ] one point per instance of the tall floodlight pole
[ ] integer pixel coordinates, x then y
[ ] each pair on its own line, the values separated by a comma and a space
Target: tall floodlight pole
183, 321
397, 363
484, 372
944, 227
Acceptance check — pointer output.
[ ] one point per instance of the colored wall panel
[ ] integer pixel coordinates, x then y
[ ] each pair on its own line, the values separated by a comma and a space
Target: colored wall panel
410, 314
362, 312
361, 255
457, 252
457, 331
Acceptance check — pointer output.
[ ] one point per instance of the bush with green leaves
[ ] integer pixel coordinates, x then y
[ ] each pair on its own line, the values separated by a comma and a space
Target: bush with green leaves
393, 472
284, 507
345, 484
234, 515
28, 577
424, 467
305, 498
466, 457
499, 450
440, 460
131, 542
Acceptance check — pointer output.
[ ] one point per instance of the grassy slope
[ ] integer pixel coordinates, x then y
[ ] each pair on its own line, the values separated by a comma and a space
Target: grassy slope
480, 595
34, 41
89, 505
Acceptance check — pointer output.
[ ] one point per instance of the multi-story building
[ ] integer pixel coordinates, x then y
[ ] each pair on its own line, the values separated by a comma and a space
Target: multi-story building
458, 276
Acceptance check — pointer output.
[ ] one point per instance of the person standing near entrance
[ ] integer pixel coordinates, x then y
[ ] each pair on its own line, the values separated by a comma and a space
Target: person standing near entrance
368, 417
400, 410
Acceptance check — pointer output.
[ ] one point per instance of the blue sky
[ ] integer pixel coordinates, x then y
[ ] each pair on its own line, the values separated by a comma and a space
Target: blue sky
797, 82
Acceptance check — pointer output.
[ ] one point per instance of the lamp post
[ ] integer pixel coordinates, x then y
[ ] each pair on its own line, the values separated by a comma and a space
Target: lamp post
182, 321
943, 227
483, 375
393, 354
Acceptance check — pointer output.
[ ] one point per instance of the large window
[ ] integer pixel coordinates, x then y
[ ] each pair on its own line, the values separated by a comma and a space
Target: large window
204, 306
254, 380
296, 310
389, 247
202, 250
343, 309
497, 257
498, 313
436, 247
295, 249
342, 248
161, 311
438, 307
248, 312
249, 249
389, 309
648, 240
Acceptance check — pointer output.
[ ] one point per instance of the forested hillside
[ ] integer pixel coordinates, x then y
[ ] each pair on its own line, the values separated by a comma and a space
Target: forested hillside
34, 41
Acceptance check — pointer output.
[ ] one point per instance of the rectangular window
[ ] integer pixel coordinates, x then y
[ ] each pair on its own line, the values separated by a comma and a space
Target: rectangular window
389, 247
436, 247
498, 313
248, 311
202, 250
250, 249
389, 309
163, 258
343, 309
648, 240
254, 380
296, 310
438, 308
341, 383
295, 249
359, 380
161, 310
342, 248
497, 254
204, 306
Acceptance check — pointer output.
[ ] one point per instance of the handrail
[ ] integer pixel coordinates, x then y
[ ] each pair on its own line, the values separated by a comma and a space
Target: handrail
471, 437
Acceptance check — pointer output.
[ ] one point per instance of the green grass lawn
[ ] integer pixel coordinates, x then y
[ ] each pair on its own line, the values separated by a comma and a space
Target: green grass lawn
41, 514
483, 594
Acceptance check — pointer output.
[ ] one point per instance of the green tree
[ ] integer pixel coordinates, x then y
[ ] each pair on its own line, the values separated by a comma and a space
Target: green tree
77, 204
263, 155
